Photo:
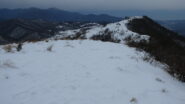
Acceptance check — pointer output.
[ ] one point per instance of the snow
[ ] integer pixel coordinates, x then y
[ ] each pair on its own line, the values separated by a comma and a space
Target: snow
60, 27
119, 31
84, 72
69, 32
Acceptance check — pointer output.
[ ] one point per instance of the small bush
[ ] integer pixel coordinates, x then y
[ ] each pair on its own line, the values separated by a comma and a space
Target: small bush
12, 47
133, 100
6, 77
105, 36
8, 48
159, 80
164, 90
19, 47
7, 64
50, 48
69, 45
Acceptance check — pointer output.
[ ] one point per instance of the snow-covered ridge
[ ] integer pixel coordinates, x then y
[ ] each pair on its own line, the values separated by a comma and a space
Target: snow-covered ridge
84, 72
118, 30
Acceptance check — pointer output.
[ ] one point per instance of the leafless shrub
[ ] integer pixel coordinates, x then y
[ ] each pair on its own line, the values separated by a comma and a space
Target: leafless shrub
159, 80
6, 77
50, 48
69, 45
147, 58
139, 50
46, 41
19, 47
7, 64
56, 39
135, 58
8, 48
120, 69
164, 90
133, 100
128, 39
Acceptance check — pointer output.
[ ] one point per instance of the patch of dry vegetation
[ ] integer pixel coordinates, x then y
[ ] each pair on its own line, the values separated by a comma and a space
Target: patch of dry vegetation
11, 48
50, 48
7, 64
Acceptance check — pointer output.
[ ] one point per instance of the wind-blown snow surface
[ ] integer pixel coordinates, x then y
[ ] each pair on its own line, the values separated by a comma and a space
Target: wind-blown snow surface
84, 72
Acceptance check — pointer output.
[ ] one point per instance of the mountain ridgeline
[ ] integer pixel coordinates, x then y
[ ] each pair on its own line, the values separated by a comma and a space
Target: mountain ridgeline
54, 15
20, 30
174, 25
164, 45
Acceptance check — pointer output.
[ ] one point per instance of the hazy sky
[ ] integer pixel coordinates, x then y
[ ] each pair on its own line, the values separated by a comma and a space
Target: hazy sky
96, 4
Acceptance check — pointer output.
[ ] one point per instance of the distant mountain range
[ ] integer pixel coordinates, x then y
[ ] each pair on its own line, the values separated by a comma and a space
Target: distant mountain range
53, 14
57, 15
17, 30
164, 45
174, 25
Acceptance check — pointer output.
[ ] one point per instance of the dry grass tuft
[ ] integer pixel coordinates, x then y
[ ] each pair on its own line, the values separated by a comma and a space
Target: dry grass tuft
8, 48
50, 48
133, 100
164, 90
7, 64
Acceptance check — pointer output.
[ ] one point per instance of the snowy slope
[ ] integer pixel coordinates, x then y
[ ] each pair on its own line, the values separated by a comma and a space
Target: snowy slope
119, 31
84, 72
